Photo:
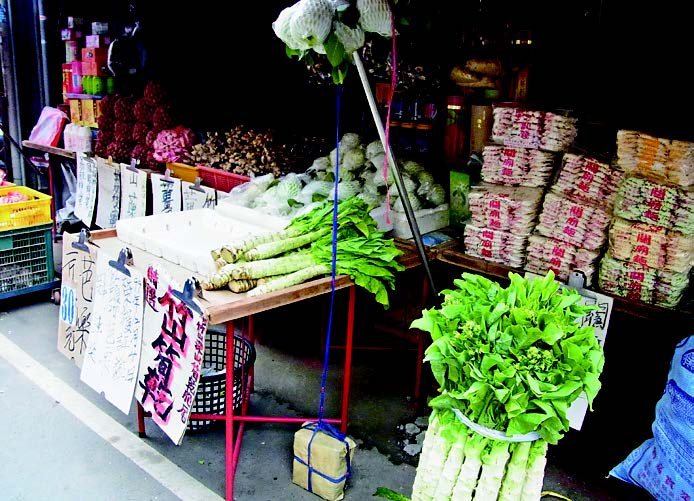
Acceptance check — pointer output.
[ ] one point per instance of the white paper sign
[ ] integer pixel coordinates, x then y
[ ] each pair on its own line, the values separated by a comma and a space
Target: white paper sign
112, 356
85, 195
173, 346
108, 203
166, 194
133, 187
195, 199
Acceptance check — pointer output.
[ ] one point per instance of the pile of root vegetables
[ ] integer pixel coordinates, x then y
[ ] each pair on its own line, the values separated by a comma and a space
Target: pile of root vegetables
304, 250
509, 361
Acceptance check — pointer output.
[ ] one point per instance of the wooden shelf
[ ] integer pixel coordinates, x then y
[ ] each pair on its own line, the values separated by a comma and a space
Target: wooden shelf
631, 307
49, 149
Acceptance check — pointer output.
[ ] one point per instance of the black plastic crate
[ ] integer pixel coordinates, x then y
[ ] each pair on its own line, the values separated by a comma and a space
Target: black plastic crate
211, 395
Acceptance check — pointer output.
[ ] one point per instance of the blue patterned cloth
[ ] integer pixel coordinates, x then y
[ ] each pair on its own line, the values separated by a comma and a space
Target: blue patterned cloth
664, 464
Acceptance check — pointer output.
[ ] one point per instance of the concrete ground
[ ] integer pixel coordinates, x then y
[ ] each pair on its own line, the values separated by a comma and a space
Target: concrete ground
60, 440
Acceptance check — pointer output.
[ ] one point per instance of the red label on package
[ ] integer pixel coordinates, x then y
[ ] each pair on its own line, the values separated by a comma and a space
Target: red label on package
637, 275
591, 166
495, 204
488, 234
640, 260
643, 238
576, 211
658, 193
558, 251
642, 249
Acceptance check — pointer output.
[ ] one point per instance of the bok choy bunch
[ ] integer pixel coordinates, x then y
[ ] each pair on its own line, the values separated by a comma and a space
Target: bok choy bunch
303, 250
511, 360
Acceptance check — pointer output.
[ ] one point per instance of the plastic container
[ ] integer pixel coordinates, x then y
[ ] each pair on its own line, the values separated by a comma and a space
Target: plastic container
26, 259
211, 395
182, 171
427, 220
32, 212
219, 179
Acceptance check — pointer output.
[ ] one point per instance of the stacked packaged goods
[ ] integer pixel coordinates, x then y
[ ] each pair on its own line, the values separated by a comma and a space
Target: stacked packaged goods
515, 172
575, 215
501, 219
651, 241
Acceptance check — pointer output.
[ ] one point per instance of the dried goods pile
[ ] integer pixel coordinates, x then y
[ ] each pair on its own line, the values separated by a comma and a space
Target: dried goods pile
248, 152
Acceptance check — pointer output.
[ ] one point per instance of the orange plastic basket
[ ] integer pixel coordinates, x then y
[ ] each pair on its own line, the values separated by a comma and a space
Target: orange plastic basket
36, 210
183, 171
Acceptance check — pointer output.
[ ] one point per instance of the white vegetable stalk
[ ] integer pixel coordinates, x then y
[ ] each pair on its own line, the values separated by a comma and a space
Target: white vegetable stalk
515, 473
494, 464
532, 488
421, 482
470, 470
451, 470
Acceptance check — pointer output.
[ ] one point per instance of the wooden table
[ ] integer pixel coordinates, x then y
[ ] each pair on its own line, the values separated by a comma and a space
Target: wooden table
224, 306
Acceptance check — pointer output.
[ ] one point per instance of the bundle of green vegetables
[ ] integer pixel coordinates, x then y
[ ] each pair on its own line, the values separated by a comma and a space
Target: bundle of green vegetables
509, 362
303, 250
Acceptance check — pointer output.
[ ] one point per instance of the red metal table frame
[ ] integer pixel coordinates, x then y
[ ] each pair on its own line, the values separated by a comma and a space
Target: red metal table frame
226, 307
219, 314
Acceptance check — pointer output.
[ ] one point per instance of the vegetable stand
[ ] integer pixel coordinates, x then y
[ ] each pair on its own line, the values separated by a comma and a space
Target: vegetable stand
223, 306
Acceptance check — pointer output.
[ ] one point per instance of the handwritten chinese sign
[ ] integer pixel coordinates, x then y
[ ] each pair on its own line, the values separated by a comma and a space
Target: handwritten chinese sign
195, 199
172, 355
133, 187
112, 356
166, 194
85, 194
108, 203
76, 298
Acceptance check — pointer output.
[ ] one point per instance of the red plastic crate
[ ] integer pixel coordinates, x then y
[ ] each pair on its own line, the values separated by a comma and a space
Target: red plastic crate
220, 179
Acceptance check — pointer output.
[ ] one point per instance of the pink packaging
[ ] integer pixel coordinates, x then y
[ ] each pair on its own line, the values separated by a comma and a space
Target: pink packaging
77, 77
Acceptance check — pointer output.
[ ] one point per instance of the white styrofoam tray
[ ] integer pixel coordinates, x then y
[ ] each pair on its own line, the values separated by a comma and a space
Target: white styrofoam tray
427, 220
186, 238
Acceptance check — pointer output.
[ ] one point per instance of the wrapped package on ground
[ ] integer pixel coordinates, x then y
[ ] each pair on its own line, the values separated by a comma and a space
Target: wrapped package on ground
635, 281
504, 208
651, 245
322, 460
514, 166
640, 199
546, 254
495, 245
660, 159
572, 221
588, 179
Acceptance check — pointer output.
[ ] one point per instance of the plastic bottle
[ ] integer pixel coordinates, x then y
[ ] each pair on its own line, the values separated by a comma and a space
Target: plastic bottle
68, 142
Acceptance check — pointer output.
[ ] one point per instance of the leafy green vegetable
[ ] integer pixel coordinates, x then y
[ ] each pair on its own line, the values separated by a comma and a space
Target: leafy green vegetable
510, 359
385, 493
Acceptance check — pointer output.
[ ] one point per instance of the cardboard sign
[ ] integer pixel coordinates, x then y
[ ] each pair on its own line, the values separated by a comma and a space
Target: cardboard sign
173, 346
166, 194
108, 203
193, 198
133, 187
85, 196
112, 356
76, 298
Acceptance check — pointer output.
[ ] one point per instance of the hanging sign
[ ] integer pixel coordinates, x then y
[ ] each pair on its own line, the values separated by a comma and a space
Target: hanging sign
172, 354
112, 356
85, 195
133, 183
108, 203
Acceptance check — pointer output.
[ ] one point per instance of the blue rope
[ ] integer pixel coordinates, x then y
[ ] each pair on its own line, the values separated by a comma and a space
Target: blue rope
321, 425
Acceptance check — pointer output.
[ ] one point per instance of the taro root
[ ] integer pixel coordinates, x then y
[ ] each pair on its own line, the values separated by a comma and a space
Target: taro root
124, 131
163, 118
155, 94
106, 122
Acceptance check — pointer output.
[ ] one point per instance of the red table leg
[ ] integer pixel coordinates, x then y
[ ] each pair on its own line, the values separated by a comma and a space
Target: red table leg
348, 360
230, 464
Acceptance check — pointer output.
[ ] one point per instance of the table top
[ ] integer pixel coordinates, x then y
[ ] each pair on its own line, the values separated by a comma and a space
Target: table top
223, 305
